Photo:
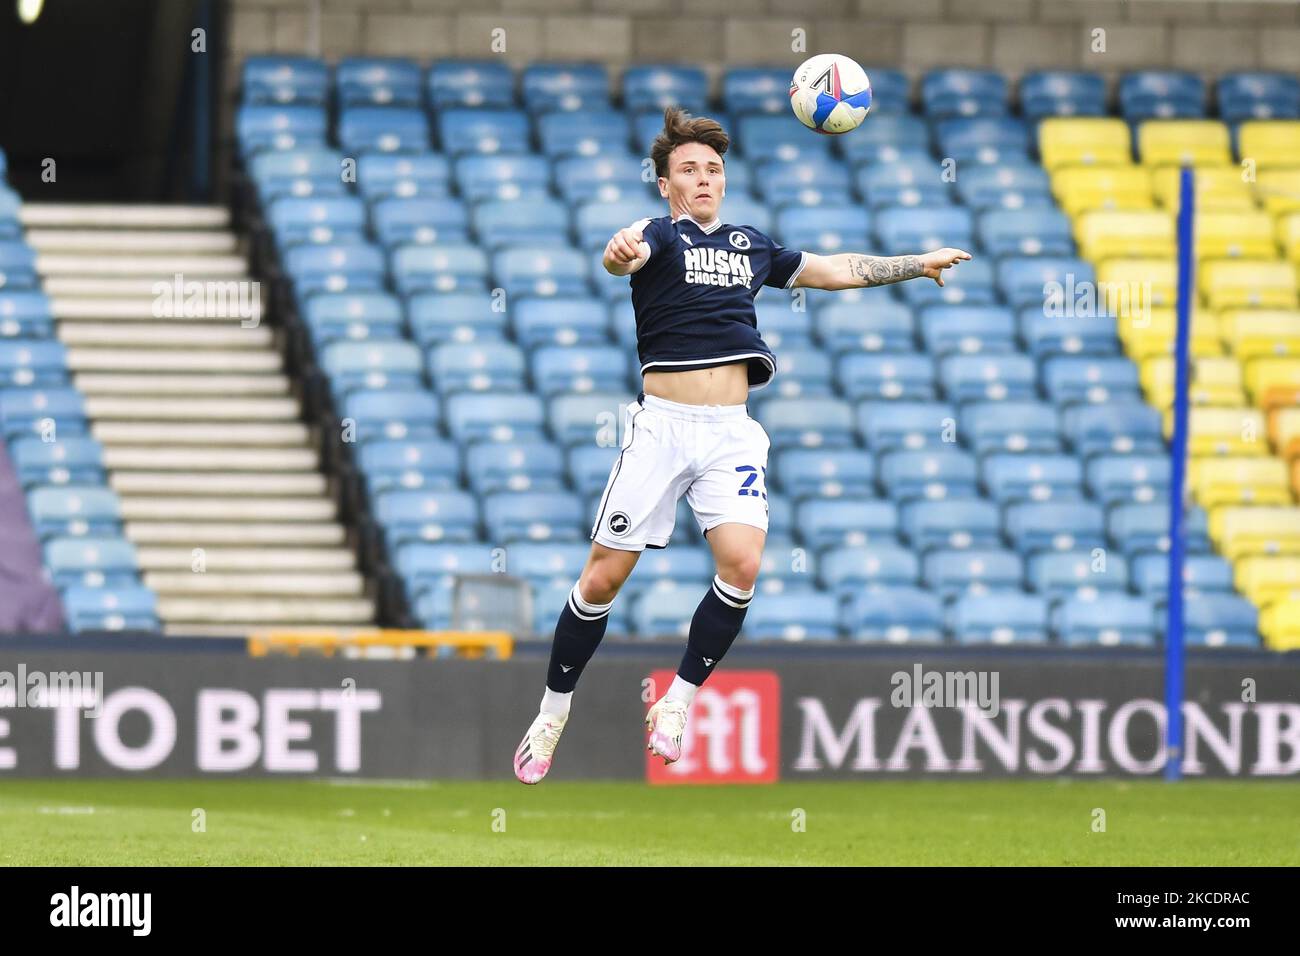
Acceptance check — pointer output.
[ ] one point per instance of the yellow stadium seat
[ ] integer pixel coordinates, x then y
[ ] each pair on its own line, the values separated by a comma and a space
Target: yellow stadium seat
1148, 334
1266, 374
1084, 140
1129, 234
1256, 333
1279, 624
1270, 143
1251, 283
1214, 430
1186, 142
1284, 431
1265, 578
1274, 398
1234, 235
1137, 275
1255, 529
1214, 381
1279, 190
1288, 236
1218, 189
1080, 188
1260, 480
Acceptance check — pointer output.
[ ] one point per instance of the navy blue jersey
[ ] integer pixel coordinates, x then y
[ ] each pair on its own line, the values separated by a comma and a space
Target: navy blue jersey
694, 296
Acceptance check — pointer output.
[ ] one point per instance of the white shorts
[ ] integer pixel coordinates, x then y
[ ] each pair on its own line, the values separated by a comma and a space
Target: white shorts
715, 454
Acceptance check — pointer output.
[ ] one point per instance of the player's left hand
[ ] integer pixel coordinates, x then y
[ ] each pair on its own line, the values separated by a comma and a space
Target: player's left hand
935, 262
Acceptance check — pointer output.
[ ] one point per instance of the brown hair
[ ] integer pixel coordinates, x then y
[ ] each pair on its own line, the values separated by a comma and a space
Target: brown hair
679, 130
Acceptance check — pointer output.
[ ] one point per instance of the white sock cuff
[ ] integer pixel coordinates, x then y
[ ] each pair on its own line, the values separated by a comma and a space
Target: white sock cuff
585, 609
730, 591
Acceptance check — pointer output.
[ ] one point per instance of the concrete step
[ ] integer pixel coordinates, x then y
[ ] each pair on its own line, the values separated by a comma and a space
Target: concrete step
169, 334
155, 408
330, 584
209, 459
257, 560
234, 510
119, 241
217, 483
291, 537
265, 611
112, 383
221, 361
262, 434
111, 216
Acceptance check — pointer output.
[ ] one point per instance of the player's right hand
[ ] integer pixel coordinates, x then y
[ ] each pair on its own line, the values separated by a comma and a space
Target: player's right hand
625, 246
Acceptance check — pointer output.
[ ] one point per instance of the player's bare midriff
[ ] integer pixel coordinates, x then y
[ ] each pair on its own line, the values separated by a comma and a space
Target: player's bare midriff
719, 385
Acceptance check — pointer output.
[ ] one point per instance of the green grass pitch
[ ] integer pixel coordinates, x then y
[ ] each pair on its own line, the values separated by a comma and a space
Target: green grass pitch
351, 822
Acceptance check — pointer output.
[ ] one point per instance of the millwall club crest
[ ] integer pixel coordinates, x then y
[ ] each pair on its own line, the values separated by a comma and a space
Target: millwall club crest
618, 524
739, 240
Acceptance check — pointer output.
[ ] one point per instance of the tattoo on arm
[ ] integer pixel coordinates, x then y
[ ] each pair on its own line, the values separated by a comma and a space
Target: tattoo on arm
882, 270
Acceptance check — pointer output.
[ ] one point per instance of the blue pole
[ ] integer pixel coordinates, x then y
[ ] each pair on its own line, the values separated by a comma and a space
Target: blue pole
1178, 467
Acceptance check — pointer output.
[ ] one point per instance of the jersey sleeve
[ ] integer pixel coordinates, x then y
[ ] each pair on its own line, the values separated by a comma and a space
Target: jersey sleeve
649, 233
786, 265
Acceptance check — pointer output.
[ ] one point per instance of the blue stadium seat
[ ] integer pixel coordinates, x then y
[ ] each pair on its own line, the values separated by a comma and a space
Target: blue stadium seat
32, 411
846, 522
92, 561
690, 568
534, 516
998, 378
665, 610
767, 138
968, 283
478, 367
1055, 525
533, 465
654, 87
489, 416
1121, 427
372, 365
279, 127
1036, 231
470, 84
1087, 378
423, 221
1012, 186
1043, 280
786, 568
576, 368
1109, 620
1020, 426
884, 326
782, 325
894, 613
909, 230
755, 90
560, 321
1116, 478
1026, 476
543, 271
502, 176
403, 175
559, 86
902, 184
804, 372
420, 515
912, 425
891, 92
607, 178
949, 93
284, 79
905, 377
446, 267
1258, 96
318, 220
1062, 93
342, 268
1134, 528
438, 317
988, 140
386, 129
847, 570
887, 138
1201, 572
17, 272
424, 565
583, 133
393, 414
547, 563
824, 229
25, 362
813, 183
584, 418
70, 460
75, 511
954, 572
959, 524
999, 617
352, 315
1063, 573
125, 608
1217, 620
524, 221
827, 473
589, 467
25, 314
942, 472
1048, 335
808, 423
793, 617
968, 329
432, 463
483, 131
378, 81
1161, 94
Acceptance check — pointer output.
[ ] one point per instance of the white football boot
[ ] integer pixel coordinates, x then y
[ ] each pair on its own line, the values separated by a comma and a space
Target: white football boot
666, 722
535, 752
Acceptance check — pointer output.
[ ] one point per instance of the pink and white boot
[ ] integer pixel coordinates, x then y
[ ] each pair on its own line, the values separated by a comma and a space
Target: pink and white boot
666, 722
537, 749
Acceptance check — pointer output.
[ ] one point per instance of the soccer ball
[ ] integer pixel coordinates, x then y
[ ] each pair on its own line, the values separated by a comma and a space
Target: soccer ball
830, 93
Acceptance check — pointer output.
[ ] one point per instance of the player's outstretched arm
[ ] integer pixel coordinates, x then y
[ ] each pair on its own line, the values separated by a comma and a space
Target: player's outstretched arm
851, 270
626, 251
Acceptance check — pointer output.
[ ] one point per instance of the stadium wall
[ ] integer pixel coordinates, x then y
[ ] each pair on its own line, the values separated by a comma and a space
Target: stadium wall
774, 714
